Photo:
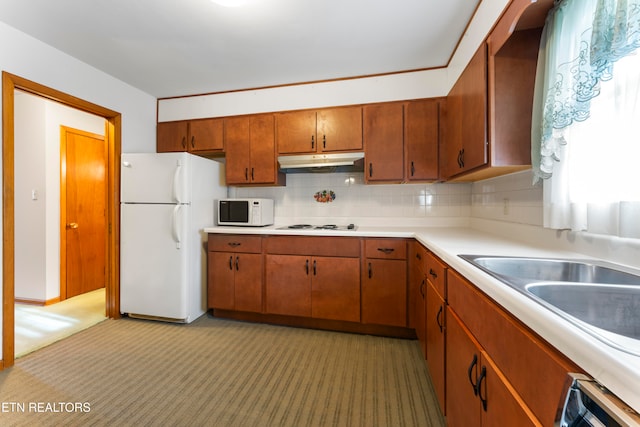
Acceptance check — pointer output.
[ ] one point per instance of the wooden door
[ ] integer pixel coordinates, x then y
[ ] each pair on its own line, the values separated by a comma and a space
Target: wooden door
451, 144
339, 129
435, 341
220, 280
421, 138
83, 212
335, 288
263, 167
288, 285
474, 111
238, 149
172, 136
384, 292
248, 282
296, 132
206, 135
462, 372
383, 142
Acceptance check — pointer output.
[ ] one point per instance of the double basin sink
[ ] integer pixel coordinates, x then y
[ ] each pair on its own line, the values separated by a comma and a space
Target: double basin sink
598, 297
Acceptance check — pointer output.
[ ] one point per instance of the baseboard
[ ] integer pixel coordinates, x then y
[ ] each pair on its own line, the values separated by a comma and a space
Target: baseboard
37, 301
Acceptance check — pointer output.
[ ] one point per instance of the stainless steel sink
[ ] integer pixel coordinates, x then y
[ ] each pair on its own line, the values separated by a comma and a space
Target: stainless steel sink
597, 296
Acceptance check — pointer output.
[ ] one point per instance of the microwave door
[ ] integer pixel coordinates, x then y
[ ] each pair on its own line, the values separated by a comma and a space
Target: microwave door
234, 211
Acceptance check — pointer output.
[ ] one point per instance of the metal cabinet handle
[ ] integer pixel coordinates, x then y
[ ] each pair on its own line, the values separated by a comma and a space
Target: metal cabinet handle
306, 267
72, 226
324, 141
474, 362
246, 174
252, 178
419, 256
314, 267
422, 288
184, 142
370, 271
234, 244
231, 263
483, 375
370, 169
193, 141
438, 318
313, 143
237, 263
386, 251
413, 169
433, 273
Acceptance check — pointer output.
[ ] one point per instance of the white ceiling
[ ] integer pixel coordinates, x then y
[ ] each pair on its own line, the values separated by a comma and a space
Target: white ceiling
183, 47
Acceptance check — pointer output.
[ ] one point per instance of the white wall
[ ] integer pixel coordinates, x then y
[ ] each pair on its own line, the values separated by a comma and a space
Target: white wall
419, 84
27, 57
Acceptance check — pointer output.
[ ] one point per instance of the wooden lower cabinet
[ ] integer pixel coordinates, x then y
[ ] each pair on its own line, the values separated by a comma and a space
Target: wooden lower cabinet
477, 393
234, 272
384, 292
313, 286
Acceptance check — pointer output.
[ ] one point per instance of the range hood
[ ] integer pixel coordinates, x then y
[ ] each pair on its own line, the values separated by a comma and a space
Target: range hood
334, 162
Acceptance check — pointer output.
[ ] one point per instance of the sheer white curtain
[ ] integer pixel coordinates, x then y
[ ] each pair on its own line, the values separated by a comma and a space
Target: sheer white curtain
586, 145
596, 185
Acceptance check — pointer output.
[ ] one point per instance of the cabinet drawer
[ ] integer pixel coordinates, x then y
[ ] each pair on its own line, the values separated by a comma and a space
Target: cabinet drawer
386, 248
418, 256
436, 274
234, 243
320, 246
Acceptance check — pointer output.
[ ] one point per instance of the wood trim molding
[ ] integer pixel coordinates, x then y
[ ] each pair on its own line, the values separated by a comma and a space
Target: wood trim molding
37, 302
113, 134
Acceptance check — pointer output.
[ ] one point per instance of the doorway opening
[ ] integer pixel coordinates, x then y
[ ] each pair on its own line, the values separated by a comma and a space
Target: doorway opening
112, 144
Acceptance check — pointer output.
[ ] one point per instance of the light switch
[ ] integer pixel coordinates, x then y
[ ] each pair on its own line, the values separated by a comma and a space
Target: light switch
34, 194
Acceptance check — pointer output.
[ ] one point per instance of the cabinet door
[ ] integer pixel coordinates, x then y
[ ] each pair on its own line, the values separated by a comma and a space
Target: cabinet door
206, 135
339, 129
238, 149
383, 146
220, 282
435, 341
172, 136
421, 138
384, 292
451, 144
462, 371
296, 132
474, 111
248, 282
263, 150
288, 285
335, 288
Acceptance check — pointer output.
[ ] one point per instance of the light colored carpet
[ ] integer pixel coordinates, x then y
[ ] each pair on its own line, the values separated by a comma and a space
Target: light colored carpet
216, 372
39, 326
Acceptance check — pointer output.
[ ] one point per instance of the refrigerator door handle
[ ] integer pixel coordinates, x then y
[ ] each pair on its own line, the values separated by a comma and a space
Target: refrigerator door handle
175, 226
176, 182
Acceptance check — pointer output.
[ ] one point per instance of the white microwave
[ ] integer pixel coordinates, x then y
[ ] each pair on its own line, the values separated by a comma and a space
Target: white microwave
245, 212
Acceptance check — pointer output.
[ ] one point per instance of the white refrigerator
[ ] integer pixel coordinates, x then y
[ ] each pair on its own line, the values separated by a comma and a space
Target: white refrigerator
166, 201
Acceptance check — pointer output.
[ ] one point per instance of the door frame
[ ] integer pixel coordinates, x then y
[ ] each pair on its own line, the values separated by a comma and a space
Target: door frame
113, 139
64, 130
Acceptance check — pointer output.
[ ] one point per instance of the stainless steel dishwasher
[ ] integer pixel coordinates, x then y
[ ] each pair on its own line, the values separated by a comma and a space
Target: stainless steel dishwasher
589, 404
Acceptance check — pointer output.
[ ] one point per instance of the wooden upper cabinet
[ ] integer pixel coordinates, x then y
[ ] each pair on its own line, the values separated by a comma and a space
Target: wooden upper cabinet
383, 142
339, 129
317, 131
487, 129
172, 136
465, 136
196, 136
250, 151
421, 138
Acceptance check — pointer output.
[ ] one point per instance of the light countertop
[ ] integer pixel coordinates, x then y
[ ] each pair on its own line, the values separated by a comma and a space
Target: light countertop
617, 370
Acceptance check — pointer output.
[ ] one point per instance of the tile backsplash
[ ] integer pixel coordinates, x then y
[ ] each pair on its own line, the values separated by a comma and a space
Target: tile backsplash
354, 199
510, 198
